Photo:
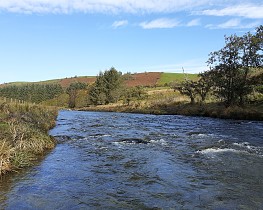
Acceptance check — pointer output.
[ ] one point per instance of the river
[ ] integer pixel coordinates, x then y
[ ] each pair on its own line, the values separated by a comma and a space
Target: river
135, 161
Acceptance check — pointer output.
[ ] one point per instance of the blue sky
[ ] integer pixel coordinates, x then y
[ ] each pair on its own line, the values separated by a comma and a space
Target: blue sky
48, 39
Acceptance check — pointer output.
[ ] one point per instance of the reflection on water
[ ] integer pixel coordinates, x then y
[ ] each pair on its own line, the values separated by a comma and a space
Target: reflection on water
130, 161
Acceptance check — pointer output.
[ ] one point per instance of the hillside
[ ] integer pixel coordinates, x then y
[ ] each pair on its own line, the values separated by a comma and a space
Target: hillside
142, 79
131, 80
65, 82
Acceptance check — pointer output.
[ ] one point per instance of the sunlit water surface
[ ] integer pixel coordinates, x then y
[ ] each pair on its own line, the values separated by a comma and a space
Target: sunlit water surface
131, 161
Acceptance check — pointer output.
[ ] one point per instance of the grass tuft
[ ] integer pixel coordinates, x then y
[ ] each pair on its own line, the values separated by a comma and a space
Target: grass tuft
24, 134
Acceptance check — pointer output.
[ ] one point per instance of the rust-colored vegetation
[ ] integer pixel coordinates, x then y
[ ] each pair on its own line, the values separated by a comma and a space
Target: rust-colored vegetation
67, 81
147, 79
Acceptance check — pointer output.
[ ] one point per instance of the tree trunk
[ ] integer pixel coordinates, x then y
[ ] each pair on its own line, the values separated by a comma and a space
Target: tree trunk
192, 100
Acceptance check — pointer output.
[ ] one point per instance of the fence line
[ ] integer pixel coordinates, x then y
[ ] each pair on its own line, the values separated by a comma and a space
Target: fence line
13, 100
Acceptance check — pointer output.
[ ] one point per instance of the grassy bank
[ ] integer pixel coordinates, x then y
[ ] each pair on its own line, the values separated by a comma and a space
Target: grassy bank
214, 110
167, 101
24, 134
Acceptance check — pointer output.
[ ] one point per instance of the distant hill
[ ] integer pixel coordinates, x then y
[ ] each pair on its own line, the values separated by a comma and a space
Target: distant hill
65, 82
131, 80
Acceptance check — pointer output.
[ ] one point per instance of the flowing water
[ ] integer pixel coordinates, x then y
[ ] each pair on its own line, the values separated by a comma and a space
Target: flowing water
131, 161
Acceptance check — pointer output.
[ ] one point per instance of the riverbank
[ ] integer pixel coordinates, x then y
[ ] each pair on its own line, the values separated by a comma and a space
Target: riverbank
24, 134
214, 110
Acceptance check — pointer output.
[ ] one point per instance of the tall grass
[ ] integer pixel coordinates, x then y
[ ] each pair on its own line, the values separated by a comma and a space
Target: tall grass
24, 134
6, 154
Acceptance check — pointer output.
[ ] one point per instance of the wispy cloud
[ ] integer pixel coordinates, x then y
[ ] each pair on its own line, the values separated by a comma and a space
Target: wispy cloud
160, 23
102, 6
250, 10
247, 11
168, 23
234, 23
195, 22
120, 23
233, 8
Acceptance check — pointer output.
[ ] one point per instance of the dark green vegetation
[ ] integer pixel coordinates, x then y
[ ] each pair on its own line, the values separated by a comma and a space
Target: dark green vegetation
23, 134
72, 91
107, 88
34, 93
236, 71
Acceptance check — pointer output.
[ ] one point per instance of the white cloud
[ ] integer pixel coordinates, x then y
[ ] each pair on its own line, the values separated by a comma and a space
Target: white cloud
160, 23
247, 11
104, 6
168, 23
195, 22
234, 23
120, 23
250, 10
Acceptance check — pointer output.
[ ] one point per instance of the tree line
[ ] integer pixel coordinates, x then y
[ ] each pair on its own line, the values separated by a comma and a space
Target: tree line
34, 93
108, 88
235, 71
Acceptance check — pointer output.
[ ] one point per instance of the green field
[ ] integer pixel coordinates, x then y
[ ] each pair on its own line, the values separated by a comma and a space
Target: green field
40, 82
167, 78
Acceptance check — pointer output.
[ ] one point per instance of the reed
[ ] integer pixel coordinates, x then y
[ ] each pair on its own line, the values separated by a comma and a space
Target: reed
6, 153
